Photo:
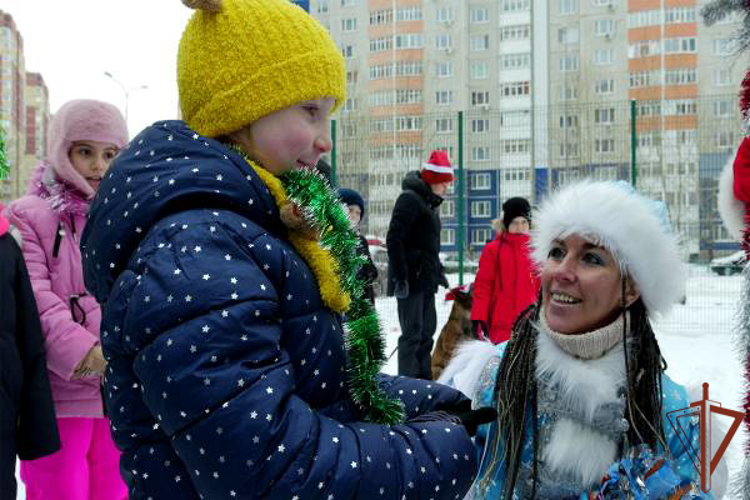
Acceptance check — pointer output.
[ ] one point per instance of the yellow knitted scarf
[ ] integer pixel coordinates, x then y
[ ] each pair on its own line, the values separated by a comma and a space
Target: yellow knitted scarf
320, 260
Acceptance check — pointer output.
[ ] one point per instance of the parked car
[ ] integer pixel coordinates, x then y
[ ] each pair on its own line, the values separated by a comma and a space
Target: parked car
729, 265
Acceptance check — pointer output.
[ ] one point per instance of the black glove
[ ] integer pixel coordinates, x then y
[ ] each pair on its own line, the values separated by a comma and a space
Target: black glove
443, 281
401, 291
480, 329
471, 419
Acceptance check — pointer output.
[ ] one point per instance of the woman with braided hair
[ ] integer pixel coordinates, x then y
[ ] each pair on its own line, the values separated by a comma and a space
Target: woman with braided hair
580, 389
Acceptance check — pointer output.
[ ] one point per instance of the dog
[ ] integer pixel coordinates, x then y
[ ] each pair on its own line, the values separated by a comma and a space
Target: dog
457, 329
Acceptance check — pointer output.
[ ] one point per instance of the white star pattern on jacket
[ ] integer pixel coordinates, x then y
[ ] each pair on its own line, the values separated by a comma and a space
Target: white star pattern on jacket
228, 312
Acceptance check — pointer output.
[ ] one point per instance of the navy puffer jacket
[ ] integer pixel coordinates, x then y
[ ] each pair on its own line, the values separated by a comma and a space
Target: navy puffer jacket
226, 374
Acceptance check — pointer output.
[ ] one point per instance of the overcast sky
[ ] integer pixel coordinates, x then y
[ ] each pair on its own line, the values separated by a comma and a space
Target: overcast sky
73, 42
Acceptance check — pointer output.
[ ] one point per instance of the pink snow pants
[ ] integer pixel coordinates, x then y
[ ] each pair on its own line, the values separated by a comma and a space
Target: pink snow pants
87, 467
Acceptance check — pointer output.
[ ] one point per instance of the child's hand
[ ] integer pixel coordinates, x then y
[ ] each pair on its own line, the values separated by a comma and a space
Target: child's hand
93, 364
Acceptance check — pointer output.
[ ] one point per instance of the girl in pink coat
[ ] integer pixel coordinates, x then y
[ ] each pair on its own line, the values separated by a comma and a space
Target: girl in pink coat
84, 137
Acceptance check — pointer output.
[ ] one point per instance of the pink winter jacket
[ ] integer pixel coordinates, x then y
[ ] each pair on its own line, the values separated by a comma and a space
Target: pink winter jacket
51, 218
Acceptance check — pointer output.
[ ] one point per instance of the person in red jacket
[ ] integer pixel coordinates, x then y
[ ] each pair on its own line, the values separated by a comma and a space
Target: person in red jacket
506, 282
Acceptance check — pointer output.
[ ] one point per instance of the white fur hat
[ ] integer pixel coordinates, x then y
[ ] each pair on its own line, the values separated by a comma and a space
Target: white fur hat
625, 223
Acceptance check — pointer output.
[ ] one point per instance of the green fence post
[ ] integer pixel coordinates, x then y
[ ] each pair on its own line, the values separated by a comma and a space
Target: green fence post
460, 235
333, 153
633, 144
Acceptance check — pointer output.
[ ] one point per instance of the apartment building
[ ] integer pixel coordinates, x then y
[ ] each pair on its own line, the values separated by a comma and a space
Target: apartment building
24, 110
36, 102
412, 65
545, 87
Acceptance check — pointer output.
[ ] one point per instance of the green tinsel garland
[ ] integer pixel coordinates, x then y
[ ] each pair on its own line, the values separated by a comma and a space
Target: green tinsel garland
322, 209
4, 167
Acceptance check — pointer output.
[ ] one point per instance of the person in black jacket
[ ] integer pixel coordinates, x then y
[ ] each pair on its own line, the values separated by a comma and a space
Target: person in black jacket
414, 269
27, 416
368, 273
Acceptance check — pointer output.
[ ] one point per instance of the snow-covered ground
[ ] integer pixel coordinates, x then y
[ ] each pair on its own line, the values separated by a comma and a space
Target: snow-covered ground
696, 340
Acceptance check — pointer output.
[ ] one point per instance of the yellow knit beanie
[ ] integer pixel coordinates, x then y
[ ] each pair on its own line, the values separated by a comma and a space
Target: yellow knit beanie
240, 60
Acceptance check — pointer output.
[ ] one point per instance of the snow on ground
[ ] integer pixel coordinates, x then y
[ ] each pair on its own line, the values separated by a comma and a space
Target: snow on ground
696, 340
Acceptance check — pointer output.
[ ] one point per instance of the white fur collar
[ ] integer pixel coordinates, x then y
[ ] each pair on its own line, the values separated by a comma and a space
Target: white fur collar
575, 449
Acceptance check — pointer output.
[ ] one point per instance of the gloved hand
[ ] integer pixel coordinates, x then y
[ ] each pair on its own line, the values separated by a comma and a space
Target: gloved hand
401, 291
443, 281
471, 419
480, 329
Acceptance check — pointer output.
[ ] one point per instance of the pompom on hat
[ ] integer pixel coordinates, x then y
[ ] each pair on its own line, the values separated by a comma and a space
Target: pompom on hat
632, 227
438, 168
240, 60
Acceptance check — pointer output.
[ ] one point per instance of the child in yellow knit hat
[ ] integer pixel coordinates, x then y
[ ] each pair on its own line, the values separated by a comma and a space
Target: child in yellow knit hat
228, 374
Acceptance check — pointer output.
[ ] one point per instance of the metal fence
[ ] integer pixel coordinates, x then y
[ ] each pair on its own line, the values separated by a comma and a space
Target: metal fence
674, 150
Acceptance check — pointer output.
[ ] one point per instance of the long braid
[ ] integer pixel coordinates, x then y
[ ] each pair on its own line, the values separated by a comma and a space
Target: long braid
515, 389
645, 367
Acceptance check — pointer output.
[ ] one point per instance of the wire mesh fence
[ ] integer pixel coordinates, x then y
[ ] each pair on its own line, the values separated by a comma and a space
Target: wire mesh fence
671, 150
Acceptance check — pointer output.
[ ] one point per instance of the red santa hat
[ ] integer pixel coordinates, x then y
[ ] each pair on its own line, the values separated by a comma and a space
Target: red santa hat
438, 168
733, 190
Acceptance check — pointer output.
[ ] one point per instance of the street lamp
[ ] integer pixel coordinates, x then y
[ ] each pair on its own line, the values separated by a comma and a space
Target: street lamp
125, 90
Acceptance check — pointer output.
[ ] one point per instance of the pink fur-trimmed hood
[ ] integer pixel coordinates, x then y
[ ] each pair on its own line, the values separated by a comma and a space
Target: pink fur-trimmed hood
82, 120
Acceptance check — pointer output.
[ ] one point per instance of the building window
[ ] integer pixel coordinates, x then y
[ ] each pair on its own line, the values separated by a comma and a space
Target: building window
322, 6
516, 32
412, 13
351, 76
481, 236
680, 76
348, 51
480, 98
567, 35
444, 97
480, 126
515, 146
507, 6
444, 126
568, 93
679, 15
723, 47
481, 209
521, 60
515, 89
644, 48
448, 237
443, 41
723, 108
444, 70
568, 121
682, 45
604, 86
348, 3
479, 43
409, 41
444, 15
722, 77
349, 24
481, 181
350, 105
604, 27
725, 140
604, 145
447, 208
604, 116
480, 153
568, 7
569, 62
603, 57
479, 70
479, 15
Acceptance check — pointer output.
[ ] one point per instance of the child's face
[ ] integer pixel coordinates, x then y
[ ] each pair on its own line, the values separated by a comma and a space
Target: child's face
91, 159
290, 138
355, 214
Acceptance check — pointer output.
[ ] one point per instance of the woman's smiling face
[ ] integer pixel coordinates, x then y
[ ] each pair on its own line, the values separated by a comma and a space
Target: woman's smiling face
582, 286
